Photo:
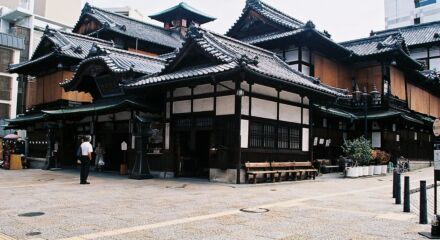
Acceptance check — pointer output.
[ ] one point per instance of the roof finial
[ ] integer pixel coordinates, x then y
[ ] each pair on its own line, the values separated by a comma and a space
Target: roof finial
310, 24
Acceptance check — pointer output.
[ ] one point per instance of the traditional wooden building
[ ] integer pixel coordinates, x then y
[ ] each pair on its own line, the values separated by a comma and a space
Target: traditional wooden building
382, 66
273, 89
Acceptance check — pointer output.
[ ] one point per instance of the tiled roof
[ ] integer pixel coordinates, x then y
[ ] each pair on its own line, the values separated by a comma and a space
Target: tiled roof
376, 44
233, 54
269, 12
416, 34
118, 61
272, 36
132, 27
183, 9
64, 44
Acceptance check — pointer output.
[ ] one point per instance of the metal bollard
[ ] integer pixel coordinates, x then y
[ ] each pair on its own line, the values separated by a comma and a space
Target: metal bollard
423, 203
398, 190
406, 196
394, 183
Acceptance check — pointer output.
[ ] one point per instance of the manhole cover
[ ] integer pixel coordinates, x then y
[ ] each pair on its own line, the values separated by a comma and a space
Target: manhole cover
33, 234
31, 214
254, 210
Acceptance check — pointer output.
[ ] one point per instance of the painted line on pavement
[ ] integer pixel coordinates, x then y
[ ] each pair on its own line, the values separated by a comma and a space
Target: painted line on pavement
282, 204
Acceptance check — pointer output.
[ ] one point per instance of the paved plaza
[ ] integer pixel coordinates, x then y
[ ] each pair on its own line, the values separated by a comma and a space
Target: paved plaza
114, 207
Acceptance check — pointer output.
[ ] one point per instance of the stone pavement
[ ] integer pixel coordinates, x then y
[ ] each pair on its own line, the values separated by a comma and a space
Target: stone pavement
114, 207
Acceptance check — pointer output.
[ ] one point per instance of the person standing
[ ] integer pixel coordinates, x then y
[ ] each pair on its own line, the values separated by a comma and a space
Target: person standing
86, 157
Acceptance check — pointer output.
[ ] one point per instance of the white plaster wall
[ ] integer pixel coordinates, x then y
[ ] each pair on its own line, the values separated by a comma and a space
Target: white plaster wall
290, 113
225, 105
203, 105
245, 106
167, 136
245, 86
182, 106
244, 131
228, 84
180, 92
264, 109
293, 97
306, 116
202, 89
267, 91
305, 139
306, 101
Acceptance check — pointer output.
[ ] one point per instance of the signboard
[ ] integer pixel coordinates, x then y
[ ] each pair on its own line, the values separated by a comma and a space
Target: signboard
422, 3
124, 146
436, 127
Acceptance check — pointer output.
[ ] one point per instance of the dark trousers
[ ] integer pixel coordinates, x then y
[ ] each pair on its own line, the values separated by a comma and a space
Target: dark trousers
85, 167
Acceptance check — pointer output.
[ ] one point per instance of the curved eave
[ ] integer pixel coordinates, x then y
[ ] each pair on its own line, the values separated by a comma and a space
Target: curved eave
34, 67
328, 93
177, 77
179, 10
74, 82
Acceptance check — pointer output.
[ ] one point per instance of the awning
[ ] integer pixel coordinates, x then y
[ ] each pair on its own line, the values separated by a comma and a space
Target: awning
374, 115
22, 119
101, 107
335, 112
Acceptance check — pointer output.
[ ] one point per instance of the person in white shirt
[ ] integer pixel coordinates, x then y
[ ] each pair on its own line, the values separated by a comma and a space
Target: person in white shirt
86, 157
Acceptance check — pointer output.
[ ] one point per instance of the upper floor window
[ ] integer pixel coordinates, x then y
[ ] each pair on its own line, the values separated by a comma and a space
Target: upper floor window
24, 4
422, 3
5, 111
5, 88
5, 59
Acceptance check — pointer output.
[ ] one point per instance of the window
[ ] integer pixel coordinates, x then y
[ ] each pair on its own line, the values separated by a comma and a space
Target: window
5, 88
291, 55
269, 136
294, 138
5, 59
422, 3
264, 135
434, 64
256, 135
4, 111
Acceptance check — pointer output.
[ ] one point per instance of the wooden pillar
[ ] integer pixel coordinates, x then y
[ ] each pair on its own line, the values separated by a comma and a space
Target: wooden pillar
238, 103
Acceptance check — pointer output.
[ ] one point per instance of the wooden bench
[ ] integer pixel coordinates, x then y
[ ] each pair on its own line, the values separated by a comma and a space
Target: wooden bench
255, 169
295, 170
306, 168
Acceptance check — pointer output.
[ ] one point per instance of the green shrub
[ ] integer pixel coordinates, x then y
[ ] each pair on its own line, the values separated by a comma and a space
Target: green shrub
359, 150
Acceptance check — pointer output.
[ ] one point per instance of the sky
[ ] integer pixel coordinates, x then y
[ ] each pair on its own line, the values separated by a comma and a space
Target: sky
343, 19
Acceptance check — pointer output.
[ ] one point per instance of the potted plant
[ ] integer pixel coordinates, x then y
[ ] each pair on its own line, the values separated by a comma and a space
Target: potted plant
382, 158
359, 150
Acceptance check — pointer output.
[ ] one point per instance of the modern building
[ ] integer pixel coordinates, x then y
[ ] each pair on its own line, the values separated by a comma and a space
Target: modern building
27, 19
10, 48
194, 103
401, 13
128, 12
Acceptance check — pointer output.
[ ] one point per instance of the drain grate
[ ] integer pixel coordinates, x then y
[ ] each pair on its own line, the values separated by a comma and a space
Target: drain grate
31, 214
255, 210
33, 234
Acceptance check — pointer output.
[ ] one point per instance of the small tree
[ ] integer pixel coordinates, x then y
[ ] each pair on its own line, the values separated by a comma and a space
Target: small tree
359, 150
